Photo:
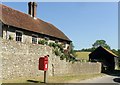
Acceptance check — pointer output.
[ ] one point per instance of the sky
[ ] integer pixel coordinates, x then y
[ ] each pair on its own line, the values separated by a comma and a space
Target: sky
82, 22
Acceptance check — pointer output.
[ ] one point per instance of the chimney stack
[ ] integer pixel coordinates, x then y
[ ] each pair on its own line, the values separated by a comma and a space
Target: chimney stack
32, 8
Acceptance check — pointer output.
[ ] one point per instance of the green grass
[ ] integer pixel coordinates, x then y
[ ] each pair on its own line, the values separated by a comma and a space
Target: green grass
53, 79
83, 55
73, 78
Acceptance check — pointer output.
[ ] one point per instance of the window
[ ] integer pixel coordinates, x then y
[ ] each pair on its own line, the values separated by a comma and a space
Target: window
65, 45
56, 41
46, 38
18, 36
34, 39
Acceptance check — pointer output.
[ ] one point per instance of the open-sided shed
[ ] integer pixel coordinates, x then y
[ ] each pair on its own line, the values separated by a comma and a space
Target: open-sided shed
105, 56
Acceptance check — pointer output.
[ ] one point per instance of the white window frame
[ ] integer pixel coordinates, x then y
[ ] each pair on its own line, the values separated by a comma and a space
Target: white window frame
57, 41
47, 38
20, 32
65, 45
36, 36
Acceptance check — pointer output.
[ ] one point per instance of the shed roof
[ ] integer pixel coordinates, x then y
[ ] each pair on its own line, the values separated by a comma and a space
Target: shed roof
110, 51
105, 49
24, 21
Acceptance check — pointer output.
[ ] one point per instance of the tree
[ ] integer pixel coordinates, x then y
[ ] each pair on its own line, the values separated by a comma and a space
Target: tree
100, 43
96, 45
119, 57
119, 52
115, 51
72, 51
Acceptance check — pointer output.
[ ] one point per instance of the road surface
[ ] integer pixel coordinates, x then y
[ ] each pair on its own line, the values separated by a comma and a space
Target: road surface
104, 79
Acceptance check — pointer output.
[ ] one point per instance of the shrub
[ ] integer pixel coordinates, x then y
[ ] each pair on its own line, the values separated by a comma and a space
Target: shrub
61, 47
54, 45
46, 42
43, 42
57, 52
63, 56
10, 37
50, 44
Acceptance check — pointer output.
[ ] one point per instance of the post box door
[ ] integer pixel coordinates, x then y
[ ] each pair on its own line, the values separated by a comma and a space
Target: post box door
43, 63
46, 63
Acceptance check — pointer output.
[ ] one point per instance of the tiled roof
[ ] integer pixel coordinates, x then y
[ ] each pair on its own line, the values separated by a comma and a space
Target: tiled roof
24, 21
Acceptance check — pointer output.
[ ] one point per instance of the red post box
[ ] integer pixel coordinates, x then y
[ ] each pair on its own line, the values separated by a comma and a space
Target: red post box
43, 63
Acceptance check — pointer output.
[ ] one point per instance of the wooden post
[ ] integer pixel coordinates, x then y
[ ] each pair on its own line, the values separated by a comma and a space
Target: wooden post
45, 76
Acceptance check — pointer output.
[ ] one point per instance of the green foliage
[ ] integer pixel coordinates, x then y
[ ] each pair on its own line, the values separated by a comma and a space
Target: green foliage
72, 51
63, 56
43, 42
88, 50
61, 47
100, 43
54, 45
119, 57
96, 45
57, 52
115, 51
10, 37
119, 52
50, 44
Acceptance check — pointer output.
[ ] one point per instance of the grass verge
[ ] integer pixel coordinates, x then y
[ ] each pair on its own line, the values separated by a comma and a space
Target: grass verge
54, 79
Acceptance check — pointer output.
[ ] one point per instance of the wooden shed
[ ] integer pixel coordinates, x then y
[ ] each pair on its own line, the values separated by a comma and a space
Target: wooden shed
105, 56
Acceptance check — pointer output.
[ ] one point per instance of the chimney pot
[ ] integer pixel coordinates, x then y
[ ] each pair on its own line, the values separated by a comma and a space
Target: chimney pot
32, 7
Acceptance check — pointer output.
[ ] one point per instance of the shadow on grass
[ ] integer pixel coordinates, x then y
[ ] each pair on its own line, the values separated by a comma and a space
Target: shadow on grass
34, 81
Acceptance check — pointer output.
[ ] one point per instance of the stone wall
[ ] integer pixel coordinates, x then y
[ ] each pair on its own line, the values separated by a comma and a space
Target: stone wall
21, 60
77, 68
0, 29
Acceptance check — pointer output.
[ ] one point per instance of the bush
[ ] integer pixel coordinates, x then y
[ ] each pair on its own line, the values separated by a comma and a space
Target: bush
61, 47
57, 52
50, 44
63, 56
43, 42
54, 45
10, 37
